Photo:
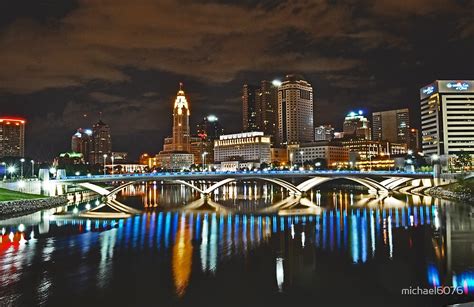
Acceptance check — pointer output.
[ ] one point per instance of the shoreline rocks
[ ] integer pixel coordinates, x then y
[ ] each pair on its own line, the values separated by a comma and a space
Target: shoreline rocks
450, 195
15, 208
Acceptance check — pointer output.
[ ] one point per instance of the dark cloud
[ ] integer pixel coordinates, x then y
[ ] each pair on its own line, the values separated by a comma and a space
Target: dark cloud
62, 60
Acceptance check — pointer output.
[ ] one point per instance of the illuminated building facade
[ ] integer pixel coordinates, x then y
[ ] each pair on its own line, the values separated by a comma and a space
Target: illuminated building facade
12, 137
279, 155
308, 152
392, 126
81, 142
176, 153
447, 117
243, 147
323, 133
295, 111
101, 143
356, 126
368, 149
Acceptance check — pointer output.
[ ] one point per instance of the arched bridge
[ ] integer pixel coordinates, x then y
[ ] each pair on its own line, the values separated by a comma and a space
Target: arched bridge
376, 182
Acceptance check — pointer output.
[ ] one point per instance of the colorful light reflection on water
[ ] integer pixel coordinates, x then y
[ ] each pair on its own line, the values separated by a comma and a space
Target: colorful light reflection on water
184, 257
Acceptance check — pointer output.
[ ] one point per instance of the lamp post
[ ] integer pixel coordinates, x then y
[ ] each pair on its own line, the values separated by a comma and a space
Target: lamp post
105, 160
32, 168
22, 160
11, 169
204, 160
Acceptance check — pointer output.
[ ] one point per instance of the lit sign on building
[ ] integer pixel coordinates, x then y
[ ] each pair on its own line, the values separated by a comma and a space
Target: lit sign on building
458, 86
428, 90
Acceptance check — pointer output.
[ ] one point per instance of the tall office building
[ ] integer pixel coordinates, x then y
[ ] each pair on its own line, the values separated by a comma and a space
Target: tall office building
249, 108
392, 126
12, 137
414, 140
324, 133
101, 143
447, 117
295, 111
176, 153
81, 142
208, 130
266, 100
356, 126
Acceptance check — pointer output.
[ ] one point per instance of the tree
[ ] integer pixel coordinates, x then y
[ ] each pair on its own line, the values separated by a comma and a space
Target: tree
463, 160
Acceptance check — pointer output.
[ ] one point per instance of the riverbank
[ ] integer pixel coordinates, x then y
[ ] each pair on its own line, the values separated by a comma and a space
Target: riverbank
9, 195
461, 191
20, 207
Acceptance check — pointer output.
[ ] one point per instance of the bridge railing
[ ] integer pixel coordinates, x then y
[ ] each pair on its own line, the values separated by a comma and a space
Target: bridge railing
230, 173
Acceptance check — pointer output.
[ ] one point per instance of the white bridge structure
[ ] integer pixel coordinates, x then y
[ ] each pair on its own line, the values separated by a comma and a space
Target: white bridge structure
378, 183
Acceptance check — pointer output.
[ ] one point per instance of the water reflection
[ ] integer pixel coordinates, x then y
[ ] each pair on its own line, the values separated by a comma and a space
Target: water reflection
190, 247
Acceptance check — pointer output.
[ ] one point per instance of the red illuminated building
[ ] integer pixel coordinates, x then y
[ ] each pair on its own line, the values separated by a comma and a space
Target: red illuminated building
12, 137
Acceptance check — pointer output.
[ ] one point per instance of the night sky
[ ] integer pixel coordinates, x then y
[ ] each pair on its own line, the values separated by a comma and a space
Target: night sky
62, 62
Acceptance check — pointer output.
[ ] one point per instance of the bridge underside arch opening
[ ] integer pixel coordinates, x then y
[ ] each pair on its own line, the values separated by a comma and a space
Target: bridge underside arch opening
321, 182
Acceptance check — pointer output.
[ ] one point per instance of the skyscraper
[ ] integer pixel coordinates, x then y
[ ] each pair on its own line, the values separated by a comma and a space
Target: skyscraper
392, 126
81, 142
12, 137
181, 122
295, 111
208, 131
266, 101
101, 143
356, 126
209, 128
249, 108
176, 153
414, 140
447, 113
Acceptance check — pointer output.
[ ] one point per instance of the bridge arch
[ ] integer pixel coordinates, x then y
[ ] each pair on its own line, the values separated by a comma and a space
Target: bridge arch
209, 190
316, 181
280, 182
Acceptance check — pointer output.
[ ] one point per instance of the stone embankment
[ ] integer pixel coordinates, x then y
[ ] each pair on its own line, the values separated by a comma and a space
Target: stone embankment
459, 196
25, 206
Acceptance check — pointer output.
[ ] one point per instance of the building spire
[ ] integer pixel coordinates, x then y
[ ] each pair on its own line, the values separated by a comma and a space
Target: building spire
180, 86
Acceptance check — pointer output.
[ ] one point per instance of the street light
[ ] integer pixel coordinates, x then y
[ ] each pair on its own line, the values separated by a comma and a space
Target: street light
32, 168
11, 169
22, 160
105, 160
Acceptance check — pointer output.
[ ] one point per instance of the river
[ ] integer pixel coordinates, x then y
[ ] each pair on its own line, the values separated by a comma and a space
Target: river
250, 245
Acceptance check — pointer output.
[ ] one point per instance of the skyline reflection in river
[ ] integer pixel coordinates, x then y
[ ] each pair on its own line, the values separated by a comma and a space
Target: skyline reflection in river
369, 253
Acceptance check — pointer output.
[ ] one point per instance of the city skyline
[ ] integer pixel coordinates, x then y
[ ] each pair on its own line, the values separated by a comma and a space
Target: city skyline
360, 62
